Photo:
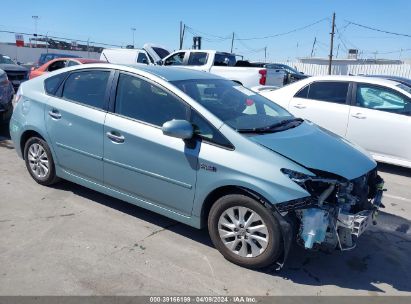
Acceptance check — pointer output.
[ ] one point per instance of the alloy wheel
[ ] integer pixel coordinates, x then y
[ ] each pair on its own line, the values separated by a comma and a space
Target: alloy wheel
243, 231
38, 160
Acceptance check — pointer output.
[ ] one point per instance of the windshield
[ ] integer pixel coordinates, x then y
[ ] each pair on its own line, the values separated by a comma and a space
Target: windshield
235, 105
6, 60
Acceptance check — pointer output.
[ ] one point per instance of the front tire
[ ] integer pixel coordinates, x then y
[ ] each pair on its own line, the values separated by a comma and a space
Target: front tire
244, 231
39, 161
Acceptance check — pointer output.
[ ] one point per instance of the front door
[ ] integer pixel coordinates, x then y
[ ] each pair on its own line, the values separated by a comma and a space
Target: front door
75, 122
138, 159
380, 121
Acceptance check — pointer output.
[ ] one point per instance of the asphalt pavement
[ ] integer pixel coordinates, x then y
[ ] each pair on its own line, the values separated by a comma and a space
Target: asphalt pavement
69, 240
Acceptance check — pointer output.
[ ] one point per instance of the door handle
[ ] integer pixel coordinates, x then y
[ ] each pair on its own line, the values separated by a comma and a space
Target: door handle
299, 106
359, 116
117, 138
55, 114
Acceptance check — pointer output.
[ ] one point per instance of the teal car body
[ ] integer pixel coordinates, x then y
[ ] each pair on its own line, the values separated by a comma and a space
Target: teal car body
100, 148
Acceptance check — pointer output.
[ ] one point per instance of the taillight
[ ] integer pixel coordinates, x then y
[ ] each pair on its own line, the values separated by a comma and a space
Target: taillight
263, 77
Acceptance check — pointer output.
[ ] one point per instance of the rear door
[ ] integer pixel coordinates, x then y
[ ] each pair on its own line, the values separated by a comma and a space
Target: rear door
75, 119
380, 121
324, 103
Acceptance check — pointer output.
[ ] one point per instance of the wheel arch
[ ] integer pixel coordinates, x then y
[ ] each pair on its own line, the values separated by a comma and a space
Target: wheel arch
219, 192
26, 135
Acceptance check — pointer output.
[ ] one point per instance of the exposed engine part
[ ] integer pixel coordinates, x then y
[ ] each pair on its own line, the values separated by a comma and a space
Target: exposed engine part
337, 212
314, 224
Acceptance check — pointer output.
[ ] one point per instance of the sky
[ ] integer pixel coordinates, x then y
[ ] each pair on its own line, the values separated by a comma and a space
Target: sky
158, 22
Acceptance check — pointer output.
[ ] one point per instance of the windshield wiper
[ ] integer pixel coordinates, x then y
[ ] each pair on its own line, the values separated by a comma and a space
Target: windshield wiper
279, 126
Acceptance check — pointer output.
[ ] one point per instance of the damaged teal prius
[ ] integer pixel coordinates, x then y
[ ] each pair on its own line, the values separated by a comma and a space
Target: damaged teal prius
202, 150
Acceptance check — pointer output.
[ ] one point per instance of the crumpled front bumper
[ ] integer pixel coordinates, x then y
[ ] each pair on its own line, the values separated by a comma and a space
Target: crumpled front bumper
354, 225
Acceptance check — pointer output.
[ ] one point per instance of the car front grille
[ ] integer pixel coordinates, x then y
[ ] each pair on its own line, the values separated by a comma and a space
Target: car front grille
16, 76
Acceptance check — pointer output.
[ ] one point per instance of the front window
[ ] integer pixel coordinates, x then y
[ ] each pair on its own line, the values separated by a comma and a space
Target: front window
176, 59
141, 100
383, 99
237, 106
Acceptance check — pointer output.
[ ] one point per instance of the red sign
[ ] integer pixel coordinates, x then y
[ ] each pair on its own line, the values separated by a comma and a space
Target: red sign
19, 40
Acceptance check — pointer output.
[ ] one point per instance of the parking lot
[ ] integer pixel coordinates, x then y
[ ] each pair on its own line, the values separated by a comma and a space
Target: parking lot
69, 240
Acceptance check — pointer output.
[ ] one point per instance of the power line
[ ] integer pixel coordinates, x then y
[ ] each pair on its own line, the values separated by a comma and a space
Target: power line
377, 30
222, 38
286, 33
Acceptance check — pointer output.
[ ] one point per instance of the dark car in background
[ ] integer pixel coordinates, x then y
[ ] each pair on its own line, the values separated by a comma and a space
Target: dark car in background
402, 80
290, 74
46, 57
6, 95
16, 74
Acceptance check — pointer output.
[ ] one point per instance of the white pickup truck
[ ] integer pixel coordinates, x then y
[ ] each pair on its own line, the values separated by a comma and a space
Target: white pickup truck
225, 65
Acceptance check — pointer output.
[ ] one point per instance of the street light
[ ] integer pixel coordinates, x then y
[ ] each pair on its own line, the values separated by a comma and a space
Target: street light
35, 18
133, 29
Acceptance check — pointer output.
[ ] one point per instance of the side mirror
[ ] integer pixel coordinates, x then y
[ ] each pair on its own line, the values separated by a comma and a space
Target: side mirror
178, 128
160, 62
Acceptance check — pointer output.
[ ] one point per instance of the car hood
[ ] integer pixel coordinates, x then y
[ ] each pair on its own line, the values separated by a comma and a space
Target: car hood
318, 149
12, 68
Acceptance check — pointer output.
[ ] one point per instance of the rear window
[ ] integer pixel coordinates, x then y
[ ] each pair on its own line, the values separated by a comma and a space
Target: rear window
87, 87
223, 59
52, 84
329, 91
197, 58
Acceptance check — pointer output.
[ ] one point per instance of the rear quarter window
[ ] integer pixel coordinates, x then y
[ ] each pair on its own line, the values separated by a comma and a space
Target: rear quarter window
51, 84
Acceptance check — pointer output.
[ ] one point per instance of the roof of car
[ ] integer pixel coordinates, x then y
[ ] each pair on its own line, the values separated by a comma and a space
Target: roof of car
372, 80
78, 59
87, 60
166, 73
174, 73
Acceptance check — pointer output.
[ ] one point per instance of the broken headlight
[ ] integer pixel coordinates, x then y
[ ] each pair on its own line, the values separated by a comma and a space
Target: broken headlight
315, 185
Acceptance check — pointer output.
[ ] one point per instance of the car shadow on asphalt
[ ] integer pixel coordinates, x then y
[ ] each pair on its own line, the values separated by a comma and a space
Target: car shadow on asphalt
381, 255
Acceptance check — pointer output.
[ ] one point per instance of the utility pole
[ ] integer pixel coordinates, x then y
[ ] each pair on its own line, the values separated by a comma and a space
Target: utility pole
312, 49
331, 46
35, 18
232, 43
181, 34
265, 54
182, 30
133, 29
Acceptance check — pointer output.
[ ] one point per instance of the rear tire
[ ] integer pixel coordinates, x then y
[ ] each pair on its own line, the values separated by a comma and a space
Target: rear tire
39, 161
244, 231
